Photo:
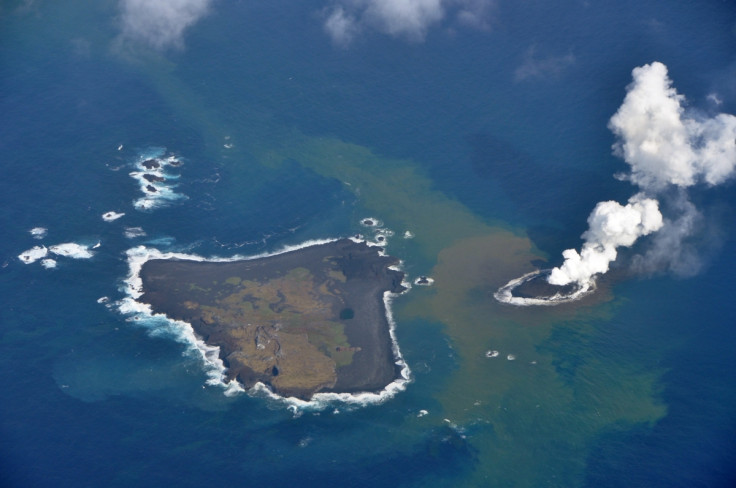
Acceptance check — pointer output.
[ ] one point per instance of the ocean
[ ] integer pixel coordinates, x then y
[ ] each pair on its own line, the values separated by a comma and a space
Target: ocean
478, 137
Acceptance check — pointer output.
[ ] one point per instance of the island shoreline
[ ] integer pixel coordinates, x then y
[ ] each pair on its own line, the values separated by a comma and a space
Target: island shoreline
143, 313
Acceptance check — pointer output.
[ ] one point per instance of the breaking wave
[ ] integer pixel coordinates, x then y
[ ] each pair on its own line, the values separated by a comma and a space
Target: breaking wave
72, 250
133, 232
33, 254
39, 232
112, 215
155, 181
67, 250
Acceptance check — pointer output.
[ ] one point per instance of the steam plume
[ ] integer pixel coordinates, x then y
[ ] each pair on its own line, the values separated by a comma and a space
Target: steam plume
662, 144
665, 148
611, 225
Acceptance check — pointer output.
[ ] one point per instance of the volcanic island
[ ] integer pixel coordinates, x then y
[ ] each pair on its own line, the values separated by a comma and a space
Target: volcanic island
301, 322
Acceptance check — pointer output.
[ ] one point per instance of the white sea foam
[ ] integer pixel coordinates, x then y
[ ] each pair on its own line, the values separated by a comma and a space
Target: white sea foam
163, 195
112, 215
511, 357
164, 241
461, 431
103, 300
400, 267
158, 192
144, 204
360, 238
422, 413
34, 254
133, 232
71, 250
215, 368
39, 232
370, 222
159, 324
424, 281
505, 294
408, 235
67, 249
381, 236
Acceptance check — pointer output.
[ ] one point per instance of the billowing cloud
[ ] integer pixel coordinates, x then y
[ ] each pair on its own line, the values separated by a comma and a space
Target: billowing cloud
668, 151
410, 19
662, 144
610, 225
535, 66
160, 23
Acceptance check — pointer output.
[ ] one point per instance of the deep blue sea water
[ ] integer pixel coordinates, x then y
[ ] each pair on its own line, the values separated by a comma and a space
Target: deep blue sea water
89, 399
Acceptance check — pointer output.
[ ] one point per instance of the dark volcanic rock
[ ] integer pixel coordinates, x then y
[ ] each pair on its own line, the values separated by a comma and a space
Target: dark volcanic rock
153, 178
538, 287
151, 164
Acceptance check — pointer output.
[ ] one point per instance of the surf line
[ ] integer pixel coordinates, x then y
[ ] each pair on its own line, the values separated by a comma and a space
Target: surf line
505, 294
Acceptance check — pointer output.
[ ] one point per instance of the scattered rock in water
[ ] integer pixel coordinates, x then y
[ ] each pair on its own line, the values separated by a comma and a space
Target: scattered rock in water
151, 164
369, 222
423, 281
153, 178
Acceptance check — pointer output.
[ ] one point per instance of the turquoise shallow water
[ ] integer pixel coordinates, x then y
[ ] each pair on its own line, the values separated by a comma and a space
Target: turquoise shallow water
91, 400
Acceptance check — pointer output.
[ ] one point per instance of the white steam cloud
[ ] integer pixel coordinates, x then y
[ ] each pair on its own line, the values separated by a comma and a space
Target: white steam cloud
410, 19
611, 225
667, 149
662, 145
160, 23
